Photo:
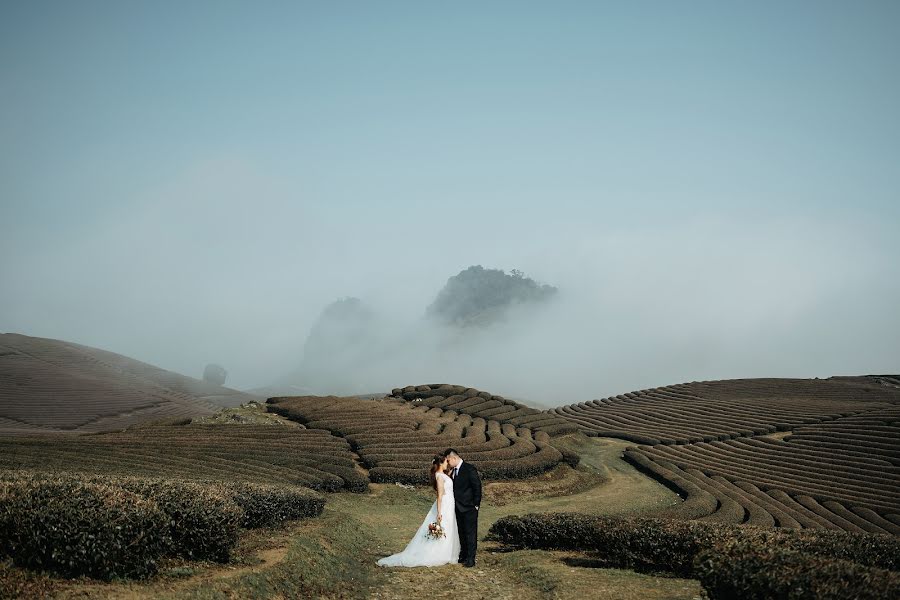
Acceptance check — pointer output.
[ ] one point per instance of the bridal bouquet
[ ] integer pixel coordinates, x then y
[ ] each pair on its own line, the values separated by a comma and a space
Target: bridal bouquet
435, 532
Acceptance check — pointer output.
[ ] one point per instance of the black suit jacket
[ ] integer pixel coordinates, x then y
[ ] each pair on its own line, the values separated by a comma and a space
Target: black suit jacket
467, 488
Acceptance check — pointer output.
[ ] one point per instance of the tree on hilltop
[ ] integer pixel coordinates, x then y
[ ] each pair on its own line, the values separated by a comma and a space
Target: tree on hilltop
479, 296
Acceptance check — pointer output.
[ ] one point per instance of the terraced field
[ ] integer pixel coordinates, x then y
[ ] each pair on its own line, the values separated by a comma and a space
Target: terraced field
792, 454
485, 405
844, 474
53, 386
818, 454
256, 453
721, 410
397, 439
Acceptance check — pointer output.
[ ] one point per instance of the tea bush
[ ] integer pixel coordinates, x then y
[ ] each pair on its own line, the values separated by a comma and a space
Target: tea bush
672, 545
202, 521
109, 527
271, 505
77, 528
743, 570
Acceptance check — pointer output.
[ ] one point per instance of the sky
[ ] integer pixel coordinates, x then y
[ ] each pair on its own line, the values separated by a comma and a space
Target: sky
713, 186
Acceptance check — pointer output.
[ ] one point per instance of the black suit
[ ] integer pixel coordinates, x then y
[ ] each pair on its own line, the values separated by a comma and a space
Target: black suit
467, 493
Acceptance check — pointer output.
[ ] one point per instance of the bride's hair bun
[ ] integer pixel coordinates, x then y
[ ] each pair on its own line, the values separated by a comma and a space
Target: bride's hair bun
438, 459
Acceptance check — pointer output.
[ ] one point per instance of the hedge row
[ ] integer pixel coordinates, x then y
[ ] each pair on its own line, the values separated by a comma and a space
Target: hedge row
258, 504
738, 569
396, 440
717, 498
272, 505
75, 528
203, 521
864, 486
707, 411
485, 405
698, 502
258, 453
412, 473
119, 527
540, 462
731, 562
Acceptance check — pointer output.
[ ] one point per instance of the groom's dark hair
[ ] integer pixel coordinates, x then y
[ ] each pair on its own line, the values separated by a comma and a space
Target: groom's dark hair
450, 451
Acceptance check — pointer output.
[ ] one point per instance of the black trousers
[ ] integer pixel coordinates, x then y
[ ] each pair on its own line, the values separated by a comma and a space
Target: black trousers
467, 525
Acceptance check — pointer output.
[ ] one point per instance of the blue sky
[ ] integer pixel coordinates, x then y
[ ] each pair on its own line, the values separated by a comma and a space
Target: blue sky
186, 182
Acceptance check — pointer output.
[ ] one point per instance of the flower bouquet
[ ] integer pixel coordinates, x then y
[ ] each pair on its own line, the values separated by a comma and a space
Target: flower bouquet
435, 531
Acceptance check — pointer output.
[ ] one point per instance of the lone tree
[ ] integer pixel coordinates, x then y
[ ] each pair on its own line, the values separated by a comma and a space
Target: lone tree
479, 296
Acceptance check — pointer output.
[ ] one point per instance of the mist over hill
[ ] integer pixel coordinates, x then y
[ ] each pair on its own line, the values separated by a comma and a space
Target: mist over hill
341, 339
353, 349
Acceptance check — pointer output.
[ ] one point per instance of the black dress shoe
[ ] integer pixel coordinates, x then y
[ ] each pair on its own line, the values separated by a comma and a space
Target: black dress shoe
469, 564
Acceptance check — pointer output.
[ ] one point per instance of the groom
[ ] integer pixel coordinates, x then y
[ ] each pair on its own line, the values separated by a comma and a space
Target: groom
467, 493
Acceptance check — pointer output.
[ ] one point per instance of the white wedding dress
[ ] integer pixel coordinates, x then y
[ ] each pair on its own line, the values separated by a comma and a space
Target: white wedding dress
426, 552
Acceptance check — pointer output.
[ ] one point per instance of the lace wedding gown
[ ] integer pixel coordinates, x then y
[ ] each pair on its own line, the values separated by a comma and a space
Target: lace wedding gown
426, 552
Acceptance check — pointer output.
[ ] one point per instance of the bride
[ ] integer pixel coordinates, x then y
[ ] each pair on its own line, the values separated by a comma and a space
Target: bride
423, 551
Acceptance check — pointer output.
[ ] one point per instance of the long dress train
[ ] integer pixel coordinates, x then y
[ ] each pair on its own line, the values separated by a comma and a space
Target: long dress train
425, 552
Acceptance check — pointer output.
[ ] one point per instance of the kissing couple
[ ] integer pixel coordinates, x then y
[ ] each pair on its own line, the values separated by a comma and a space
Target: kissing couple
458, 488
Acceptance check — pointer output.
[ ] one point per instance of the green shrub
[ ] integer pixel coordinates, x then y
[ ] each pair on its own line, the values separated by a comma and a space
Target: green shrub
75, 528
271, 505
524, 467
496, 412
203, 521
672, 545
743, 570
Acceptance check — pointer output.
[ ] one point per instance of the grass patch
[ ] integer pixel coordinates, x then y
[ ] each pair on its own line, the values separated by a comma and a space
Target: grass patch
562, 480
553, 578
326, 559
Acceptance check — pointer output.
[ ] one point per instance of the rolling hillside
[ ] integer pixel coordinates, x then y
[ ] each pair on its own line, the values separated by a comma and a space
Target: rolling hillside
807, 468
249, 453
52, 386
720, 410
791, 453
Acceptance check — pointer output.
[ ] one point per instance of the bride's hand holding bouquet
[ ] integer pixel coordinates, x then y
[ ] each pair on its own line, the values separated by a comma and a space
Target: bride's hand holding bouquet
436, 530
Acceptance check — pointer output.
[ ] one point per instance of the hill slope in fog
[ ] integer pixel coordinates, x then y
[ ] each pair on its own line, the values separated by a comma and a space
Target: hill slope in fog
51, 385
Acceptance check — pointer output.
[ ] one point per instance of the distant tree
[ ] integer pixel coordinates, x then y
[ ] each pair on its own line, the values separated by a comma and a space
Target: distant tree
478, 296
214, 373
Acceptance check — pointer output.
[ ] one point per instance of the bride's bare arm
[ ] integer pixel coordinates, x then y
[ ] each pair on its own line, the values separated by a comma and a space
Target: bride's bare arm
440, 493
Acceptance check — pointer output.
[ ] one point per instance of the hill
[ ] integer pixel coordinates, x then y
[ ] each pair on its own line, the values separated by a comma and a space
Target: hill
271, 453
790, 453
51, 385
719, 410
749, 474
